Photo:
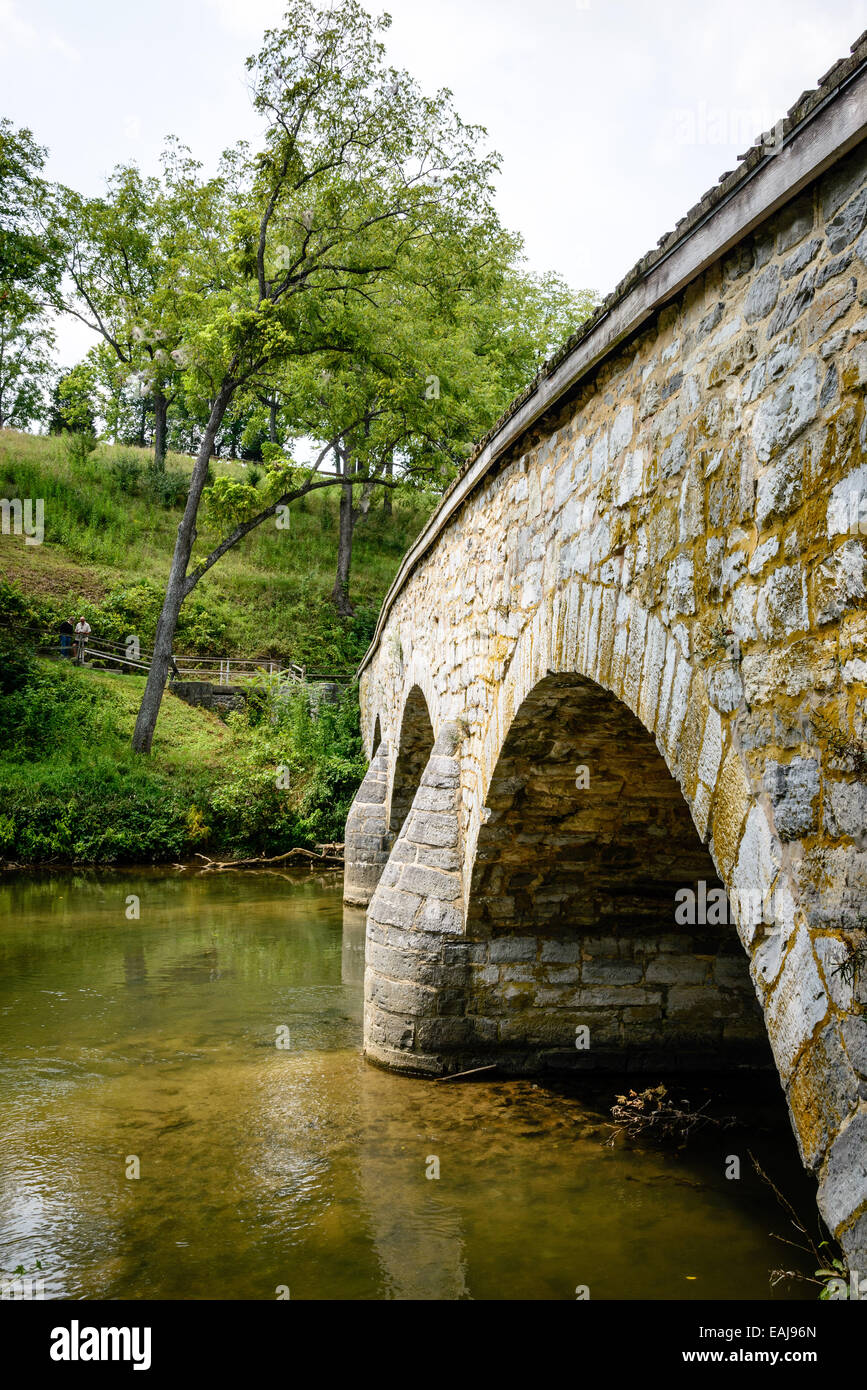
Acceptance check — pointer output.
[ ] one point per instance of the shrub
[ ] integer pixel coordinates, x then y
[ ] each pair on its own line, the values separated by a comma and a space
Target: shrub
55, 713
80, 444
96, 813
126, 470
17, 648
16, 662
167, 487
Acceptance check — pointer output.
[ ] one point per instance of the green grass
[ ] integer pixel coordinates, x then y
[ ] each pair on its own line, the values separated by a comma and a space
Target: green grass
108, 546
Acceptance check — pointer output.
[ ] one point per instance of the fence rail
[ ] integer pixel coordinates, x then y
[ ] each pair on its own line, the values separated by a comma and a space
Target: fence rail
219, 670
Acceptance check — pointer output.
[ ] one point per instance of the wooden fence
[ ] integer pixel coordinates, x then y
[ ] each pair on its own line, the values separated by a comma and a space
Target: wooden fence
218, 670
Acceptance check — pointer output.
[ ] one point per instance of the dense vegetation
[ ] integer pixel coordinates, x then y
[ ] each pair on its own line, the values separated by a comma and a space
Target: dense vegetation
345, 284
268, 778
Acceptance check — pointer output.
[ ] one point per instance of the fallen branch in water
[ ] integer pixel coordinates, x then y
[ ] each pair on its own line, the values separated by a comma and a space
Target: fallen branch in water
324, 855
474, 1071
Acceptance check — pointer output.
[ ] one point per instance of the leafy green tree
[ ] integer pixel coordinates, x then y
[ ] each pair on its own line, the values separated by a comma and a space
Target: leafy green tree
28, 248
26, 368
28, 277
422, 375
122, 409
72, 403
357, 170
116, 250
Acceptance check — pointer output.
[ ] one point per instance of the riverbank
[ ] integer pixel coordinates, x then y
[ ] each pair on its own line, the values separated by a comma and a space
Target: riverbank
263, 781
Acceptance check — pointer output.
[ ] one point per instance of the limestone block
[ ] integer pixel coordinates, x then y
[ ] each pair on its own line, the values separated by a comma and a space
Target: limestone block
780, 487
845, 809
791, 407
797, 1005
800, 259
762, 295
847, 505
822, 1093
782, 603
793, 788
844, 228
681, 584
756, 866
843, 1184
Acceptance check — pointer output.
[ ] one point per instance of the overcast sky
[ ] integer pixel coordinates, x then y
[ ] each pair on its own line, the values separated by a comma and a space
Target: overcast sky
612, 116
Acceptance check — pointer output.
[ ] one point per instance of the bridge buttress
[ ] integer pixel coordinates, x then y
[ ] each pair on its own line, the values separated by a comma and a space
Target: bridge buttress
416, 958
366, 848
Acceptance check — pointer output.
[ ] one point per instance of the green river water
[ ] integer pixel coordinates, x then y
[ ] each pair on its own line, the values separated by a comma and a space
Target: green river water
302, 1169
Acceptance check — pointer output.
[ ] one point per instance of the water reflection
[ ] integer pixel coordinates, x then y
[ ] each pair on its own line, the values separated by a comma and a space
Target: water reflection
263, 1165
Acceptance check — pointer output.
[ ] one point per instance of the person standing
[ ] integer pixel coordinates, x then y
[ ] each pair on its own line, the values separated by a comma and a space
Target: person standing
66, 630
82, 632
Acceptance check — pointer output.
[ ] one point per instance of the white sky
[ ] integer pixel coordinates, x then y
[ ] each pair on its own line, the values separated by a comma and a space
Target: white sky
612, 116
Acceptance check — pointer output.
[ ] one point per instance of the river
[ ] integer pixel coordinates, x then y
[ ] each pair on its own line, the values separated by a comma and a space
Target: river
149, 1044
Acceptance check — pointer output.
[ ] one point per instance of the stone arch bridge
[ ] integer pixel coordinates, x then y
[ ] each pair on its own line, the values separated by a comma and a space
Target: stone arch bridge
615, 811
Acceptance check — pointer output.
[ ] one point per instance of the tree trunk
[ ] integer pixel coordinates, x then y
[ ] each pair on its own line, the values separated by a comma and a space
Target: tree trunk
272, 420
386, 501
176, 589
340, 592
161, 410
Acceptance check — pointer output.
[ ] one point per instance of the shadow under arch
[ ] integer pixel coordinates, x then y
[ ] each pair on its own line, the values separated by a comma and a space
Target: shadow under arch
377, 737
586, 856
414, 747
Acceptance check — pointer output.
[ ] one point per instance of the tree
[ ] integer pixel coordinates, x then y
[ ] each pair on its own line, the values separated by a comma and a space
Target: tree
116, 250
272, 403
28, 248
26, 368
28, 277
72, 401
118, 402
357, 169
427, 375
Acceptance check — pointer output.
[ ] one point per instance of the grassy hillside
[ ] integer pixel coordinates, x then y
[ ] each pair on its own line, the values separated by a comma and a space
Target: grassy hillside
109, 532
71, 791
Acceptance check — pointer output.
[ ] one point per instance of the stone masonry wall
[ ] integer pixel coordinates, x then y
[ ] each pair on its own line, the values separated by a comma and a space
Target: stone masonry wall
687, 531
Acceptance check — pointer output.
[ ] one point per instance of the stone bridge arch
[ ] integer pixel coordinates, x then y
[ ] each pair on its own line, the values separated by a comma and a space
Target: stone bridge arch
413, 747
670, 520
591, 887
400, 745
633, 711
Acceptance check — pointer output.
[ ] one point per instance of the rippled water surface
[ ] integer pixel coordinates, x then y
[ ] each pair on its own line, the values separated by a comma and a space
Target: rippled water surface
302, 1166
